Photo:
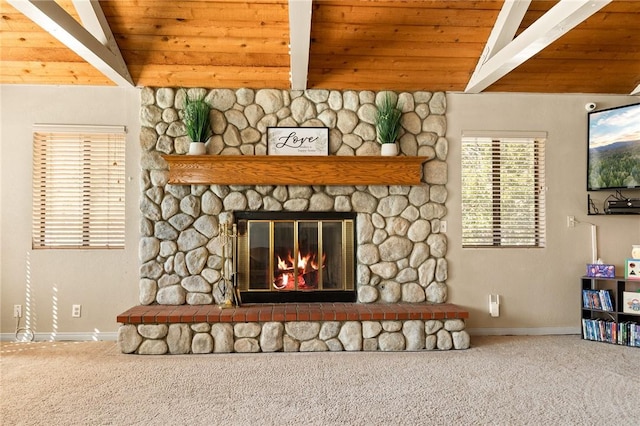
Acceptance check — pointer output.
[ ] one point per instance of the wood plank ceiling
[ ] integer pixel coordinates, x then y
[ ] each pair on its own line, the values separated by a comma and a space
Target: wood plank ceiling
354, 44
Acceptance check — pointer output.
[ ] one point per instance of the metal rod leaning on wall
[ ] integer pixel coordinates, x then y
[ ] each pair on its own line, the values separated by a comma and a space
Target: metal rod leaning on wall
228, 278
234, 263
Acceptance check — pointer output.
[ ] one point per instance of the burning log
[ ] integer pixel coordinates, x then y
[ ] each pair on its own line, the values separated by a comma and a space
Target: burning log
307, 272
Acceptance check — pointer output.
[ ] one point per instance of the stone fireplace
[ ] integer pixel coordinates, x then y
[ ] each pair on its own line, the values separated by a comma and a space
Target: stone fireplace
398, 255
400, 251
295, 257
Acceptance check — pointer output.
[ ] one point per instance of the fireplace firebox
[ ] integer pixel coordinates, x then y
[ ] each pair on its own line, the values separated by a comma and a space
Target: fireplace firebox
295, 256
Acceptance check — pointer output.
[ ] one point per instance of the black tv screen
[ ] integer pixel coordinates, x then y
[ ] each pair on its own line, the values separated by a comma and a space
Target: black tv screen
613, 160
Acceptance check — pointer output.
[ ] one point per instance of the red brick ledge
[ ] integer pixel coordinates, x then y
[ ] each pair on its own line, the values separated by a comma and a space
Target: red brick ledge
167, 314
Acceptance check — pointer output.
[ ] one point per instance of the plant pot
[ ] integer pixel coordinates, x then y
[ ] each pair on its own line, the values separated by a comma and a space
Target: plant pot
197, 148
389, 149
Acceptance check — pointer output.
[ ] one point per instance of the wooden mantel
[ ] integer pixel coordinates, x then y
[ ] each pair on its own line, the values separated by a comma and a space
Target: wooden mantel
294, 170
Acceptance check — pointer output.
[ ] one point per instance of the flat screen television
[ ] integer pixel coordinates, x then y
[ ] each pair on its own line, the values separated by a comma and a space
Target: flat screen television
613, 160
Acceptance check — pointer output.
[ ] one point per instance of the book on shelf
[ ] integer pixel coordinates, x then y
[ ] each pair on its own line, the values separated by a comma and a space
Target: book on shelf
607, 300
598, 299
622, 333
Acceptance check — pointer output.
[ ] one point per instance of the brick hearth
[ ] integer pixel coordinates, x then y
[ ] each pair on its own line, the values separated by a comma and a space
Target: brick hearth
187, 314
292, 327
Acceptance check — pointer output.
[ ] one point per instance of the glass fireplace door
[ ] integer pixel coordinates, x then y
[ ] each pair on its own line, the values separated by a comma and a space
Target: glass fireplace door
295, 256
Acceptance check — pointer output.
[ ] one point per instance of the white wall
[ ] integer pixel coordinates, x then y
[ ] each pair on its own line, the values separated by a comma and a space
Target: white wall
540, 288
48, 282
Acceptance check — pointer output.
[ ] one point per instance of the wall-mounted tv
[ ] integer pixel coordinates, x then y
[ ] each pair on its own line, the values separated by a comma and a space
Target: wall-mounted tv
613, 160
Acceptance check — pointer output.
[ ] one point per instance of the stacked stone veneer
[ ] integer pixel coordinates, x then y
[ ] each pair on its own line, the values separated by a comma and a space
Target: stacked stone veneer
299, 336
400, 251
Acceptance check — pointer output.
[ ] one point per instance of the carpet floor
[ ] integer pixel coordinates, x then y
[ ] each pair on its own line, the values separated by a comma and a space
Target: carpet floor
501, 380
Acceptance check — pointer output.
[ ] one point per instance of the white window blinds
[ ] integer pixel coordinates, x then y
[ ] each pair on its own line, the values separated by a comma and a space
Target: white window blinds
503, 192
78, 187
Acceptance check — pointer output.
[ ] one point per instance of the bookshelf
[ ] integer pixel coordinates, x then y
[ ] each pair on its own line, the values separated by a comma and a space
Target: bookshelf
604, 317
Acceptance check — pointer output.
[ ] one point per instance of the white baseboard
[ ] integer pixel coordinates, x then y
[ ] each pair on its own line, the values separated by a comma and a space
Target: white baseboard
60, 337
541, 331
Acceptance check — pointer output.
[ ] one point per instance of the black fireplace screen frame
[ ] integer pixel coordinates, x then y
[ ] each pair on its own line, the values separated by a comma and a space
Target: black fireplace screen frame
347, 295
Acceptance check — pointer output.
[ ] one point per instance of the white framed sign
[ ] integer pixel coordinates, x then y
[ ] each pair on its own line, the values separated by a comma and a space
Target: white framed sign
298, 141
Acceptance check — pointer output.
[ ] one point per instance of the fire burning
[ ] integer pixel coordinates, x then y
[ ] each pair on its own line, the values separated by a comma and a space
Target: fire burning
306, 268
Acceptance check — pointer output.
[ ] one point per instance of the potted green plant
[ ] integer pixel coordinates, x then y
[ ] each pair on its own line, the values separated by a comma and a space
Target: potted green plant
387, 122
196, 119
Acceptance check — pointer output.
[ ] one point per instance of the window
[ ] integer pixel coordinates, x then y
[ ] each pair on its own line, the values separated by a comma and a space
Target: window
78, 187
503, 199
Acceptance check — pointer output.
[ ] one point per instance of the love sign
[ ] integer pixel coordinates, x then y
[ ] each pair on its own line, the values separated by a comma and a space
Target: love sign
298, 141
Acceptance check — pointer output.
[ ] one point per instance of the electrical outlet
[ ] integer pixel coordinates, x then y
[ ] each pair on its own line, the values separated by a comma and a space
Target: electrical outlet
443, 226
571, 221
17, 311
76, 310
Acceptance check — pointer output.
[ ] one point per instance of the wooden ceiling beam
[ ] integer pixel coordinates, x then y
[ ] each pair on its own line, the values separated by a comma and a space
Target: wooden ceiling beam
57, 22
299, 42
504, 30
94, 21
559, 20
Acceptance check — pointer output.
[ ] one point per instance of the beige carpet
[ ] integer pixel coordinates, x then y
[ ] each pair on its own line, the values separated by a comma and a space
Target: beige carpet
542, 380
